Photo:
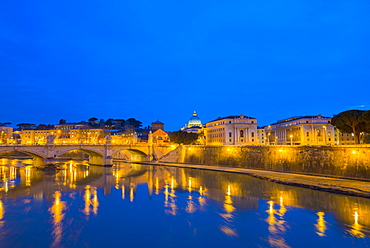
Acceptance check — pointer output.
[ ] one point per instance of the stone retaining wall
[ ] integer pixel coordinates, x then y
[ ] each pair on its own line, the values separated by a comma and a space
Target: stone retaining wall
346, 162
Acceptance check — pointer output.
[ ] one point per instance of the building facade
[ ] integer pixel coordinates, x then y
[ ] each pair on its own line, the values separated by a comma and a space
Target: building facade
64, 134
194, 124
302, 130
261, 135
232, 130
6, 135
157, 125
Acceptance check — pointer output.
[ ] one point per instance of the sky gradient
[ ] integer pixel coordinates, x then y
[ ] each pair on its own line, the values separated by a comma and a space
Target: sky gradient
164, 59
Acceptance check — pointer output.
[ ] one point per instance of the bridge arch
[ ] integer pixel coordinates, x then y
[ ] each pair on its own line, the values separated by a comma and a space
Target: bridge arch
135, 154
88, 151
95, 157
34, 154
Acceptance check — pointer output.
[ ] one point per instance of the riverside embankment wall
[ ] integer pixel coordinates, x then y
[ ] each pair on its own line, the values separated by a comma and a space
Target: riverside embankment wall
345, 162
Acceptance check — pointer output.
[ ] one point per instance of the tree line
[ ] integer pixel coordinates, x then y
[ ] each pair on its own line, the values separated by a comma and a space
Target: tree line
353, 121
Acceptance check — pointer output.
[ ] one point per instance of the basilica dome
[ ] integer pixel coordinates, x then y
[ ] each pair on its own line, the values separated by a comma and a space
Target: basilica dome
194, 121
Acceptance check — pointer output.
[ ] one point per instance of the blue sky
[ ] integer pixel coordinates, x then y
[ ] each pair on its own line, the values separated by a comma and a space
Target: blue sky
164, 59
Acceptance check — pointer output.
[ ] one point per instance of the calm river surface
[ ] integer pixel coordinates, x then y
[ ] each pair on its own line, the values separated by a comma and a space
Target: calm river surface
132, 205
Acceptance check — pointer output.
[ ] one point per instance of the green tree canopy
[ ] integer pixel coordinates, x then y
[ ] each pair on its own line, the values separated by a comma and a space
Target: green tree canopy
365, 117
93, 119
350, 121
25, 125
132, 122
181, 137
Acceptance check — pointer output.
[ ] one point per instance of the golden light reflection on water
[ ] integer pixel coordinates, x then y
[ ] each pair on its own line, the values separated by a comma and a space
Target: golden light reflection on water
172, 184
57, 214
276, 227
123, 191
156, 186
321, 224
228, 215
189, 184
95, 202
28, 176
91, 202
170, 198
190, 205
87, 197
356, 228
132, 193
2, 211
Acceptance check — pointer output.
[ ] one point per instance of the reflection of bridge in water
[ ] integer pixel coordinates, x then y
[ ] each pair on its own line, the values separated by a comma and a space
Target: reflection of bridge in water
233, 190
98, 154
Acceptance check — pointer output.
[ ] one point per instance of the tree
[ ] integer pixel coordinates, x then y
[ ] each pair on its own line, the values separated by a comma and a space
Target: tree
109, 123
365, 117
25, 125
350, 121
5, 123
62, 121
132, 122
181, 137
42, 126
93, 119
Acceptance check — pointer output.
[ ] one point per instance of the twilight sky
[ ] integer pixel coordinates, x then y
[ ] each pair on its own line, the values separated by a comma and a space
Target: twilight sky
164, 59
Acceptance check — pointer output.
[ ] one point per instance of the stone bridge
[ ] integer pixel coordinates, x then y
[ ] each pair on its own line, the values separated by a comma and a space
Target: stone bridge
98, 154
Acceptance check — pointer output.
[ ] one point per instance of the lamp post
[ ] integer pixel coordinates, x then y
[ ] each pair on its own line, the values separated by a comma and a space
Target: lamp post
291, 139
276, 140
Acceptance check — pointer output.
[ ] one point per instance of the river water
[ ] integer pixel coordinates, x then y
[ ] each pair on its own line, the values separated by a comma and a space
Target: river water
133, 205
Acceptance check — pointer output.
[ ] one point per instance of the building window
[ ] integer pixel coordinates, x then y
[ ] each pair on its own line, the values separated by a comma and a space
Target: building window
252, 122
230, 134
252, 134
241, 133
252, 140
308, 134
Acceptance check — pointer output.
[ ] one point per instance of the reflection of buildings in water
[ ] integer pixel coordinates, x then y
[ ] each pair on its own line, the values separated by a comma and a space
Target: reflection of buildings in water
277, 226
57, 214
90, 200
170, 198
202, 185
321, 224
190, 205
228, 215
2, 212
356, 228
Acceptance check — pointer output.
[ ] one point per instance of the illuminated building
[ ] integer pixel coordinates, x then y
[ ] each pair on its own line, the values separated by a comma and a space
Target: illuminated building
261, 135
232, 130
64, 134
345, 138
157, 125
159, 137
6, 134
194, 124
302, 130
